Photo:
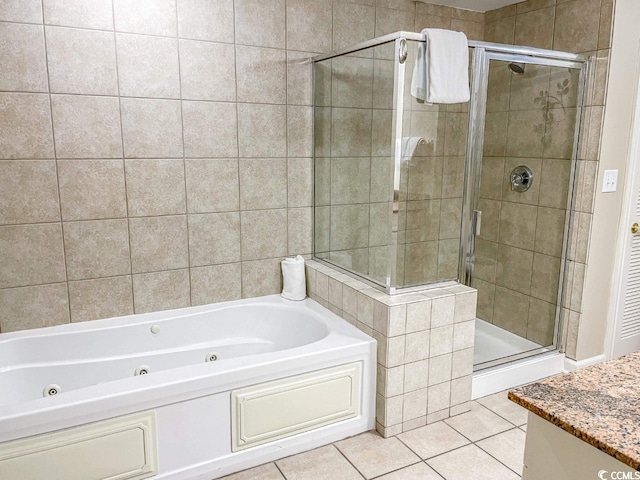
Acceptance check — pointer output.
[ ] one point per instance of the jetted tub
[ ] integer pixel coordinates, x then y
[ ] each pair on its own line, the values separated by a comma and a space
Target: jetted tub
193, 393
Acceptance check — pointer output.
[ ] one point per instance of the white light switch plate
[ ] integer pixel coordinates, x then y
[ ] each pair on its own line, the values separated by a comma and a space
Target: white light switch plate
610, 181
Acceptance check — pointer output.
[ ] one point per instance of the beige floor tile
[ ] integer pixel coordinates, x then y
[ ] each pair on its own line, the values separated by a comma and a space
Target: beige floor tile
373, 455
267, 471
508, 447
500, 404
432, 440
479, 423
325, 463
523, 427
419, 471
470, 462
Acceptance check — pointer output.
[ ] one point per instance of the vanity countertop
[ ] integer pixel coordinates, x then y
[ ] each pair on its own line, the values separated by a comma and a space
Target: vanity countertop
599, 404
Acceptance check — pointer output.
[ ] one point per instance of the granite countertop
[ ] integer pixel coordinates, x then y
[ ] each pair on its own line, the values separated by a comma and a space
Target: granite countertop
599, 404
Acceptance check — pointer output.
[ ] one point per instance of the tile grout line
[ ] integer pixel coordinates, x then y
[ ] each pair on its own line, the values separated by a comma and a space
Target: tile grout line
347, 459
237, 159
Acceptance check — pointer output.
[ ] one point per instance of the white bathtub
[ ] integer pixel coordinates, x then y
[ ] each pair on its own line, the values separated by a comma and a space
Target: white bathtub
191, 400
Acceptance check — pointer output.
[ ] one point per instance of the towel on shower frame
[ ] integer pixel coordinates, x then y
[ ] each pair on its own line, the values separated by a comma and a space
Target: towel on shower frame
441, 70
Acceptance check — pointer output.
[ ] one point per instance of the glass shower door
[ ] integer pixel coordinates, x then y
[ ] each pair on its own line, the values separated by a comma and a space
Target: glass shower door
524, 195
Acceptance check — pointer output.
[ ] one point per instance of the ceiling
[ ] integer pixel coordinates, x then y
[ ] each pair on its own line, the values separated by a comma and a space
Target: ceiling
476, 5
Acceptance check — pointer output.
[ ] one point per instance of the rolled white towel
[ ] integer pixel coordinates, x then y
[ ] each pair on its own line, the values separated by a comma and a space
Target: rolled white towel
294, 284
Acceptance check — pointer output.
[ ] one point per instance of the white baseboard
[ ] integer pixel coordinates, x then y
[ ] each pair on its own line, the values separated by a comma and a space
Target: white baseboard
573, 365
497, 379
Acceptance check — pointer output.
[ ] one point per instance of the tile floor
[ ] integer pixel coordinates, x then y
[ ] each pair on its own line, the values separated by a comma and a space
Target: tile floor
486, 443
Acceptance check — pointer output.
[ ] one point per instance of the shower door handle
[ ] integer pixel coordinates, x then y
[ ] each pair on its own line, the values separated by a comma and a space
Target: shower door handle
477, 221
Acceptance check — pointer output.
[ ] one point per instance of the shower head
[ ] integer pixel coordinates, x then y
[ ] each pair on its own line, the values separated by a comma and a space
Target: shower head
516, 68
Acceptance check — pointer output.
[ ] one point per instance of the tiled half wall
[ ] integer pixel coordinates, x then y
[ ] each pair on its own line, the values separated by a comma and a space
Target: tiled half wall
425, 345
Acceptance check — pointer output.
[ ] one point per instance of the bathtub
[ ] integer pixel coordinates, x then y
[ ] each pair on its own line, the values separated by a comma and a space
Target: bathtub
193, 393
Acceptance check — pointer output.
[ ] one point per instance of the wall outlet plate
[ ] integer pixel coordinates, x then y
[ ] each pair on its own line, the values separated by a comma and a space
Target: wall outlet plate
610, 181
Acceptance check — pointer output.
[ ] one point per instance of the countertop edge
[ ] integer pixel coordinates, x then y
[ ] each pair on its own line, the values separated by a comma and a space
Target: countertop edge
576, 432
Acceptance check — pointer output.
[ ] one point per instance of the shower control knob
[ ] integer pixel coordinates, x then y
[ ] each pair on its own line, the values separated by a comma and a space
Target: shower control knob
635, 228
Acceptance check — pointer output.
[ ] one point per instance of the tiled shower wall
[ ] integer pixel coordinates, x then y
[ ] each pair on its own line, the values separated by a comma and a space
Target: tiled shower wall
580, 26
518, 252
156, 154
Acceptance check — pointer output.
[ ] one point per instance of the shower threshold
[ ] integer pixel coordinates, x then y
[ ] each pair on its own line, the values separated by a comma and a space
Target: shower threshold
496, 345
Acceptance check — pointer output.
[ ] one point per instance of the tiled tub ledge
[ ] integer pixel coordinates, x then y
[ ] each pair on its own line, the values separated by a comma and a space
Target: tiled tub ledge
425, 345
597, 405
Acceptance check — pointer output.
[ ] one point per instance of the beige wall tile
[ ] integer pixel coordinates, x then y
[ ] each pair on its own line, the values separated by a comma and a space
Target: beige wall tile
261, 74
463, 335
155, 187
100, 298
575, 26
151, 17
97, 248
148, 66
207, 71
264, 234
31, 254
473, 30
161, 290
151, 128
214, 238
300, 229
25, 126
212, 185
431, 21
486, 260
416, 375
461, 390
491, 178
541, 322
438, 397
299, 187
414, 404
389, 21
606, 23
263, 183
349, 227
433, 9
514, 268
309, 25
503, 311
462, 363
465, 307
34, 307
554, 183
158, 243
23, 57
261, 277
205, 20
210, 129
29, 11
350, 180
352, 82
86, 127
501, 31
260, 23
352, 24
495, 134
262, 130
545, 278
96, 14
81, 61
535, 28
351, 133
299, 71
299, 131
440, 369
550, 231
29, 192
216, 283
524, 137
517, 225
92, 189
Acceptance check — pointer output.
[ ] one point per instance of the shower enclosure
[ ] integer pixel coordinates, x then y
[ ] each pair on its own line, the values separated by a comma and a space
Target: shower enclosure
409, 195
